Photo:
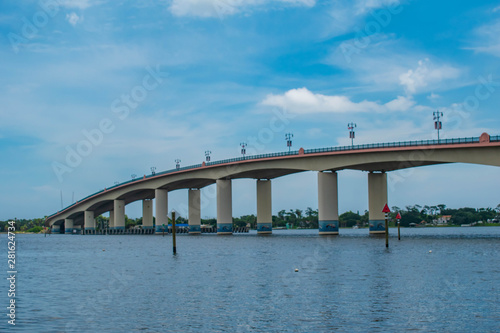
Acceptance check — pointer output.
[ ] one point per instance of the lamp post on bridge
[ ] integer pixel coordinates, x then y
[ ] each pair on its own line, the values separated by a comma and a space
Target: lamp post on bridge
153, 170
351, 126
243, 149
437, 121
288, 138
177, 164
207, 155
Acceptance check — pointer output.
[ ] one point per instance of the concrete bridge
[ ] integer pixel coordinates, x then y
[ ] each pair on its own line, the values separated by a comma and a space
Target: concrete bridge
377, 159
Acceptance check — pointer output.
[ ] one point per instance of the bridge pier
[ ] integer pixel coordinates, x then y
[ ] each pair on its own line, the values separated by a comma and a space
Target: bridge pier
89, 221
161, 207
194, 211
264, 207
68, 226
224, 207
328, 206
119, 216
377, 198
56, 228
111, 224
147, 214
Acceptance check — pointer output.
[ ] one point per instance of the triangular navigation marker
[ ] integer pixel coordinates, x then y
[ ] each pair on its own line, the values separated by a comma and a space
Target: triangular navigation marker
386, 209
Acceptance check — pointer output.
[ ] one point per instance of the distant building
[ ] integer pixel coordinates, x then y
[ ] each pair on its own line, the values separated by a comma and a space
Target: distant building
443, 219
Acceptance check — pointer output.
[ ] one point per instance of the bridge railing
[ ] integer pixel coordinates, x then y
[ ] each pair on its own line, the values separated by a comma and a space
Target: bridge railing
306, 151
253, 157
394, 144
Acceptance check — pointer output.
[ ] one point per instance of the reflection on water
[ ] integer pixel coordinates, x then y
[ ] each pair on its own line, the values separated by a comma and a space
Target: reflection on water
245, 282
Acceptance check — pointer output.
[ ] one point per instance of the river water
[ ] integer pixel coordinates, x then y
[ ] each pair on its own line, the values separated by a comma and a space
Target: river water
432, 280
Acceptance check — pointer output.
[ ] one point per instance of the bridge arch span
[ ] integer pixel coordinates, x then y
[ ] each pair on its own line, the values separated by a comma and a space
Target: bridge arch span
378, 158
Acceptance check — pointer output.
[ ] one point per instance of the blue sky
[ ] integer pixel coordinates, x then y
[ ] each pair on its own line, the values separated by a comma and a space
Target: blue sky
167, 80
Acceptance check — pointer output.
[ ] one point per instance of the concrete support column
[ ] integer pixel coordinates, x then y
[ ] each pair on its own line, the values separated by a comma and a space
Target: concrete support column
264, 207
119, 218
224, 207
68, 226
56, 229
77, 228
161, 197
377, 198
111, 224
328, 203
89, 221
194, 211
147, 214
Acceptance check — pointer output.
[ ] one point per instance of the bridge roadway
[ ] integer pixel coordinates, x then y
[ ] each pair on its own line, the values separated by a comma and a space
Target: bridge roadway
377, 159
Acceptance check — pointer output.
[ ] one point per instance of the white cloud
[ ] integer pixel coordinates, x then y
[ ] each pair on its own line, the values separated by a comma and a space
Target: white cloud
366, 61
425, 74
433, 96
303, 101
220, 8
364, 6
73, 18
487, 39
349, 16
80, 4
401, 103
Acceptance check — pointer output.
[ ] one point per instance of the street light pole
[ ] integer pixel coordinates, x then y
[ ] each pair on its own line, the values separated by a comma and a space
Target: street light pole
243, 149
437, 121
288, 138
351, 126
207, 155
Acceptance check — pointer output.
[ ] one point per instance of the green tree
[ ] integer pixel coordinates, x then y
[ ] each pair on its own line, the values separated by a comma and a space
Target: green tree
36, 229
441, 208
349, 219
129, 223
312, 217
365, 218
410, 216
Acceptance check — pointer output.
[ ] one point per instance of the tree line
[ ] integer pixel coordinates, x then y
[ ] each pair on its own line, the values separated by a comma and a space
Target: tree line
308, 218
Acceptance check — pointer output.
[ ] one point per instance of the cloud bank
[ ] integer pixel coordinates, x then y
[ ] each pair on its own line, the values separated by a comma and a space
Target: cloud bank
303, 101
220, 8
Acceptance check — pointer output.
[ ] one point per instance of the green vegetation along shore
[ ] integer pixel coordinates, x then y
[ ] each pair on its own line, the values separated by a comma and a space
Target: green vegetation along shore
416, 215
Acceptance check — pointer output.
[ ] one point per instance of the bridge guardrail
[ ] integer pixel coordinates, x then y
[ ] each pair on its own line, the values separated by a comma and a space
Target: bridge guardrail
393, 144
253, 157
306, 151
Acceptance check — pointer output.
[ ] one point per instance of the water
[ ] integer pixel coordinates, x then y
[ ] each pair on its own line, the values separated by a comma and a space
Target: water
248, 283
